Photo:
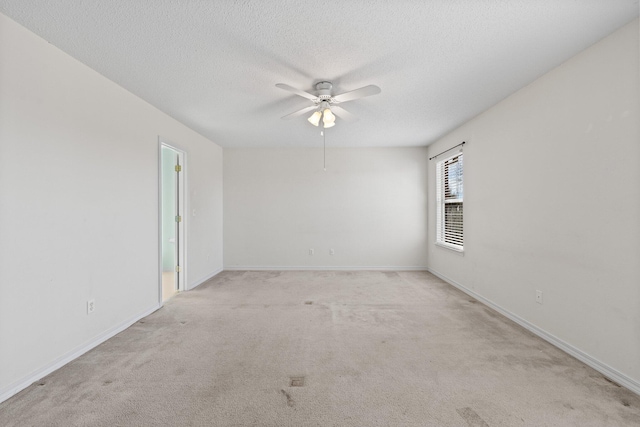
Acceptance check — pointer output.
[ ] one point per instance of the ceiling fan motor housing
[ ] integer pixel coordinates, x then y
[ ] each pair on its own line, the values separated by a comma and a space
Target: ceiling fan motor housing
324, 90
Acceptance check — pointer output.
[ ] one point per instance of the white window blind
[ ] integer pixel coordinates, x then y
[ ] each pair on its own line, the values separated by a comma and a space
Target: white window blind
449, 217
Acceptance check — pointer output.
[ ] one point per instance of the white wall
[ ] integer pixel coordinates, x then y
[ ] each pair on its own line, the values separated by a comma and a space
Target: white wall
79, 205
552, 202
369, 206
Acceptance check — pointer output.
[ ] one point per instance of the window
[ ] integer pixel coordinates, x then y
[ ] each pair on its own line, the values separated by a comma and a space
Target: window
449, 203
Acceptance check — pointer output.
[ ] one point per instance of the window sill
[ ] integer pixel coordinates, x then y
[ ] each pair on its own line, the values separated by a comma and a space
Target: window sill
451, 248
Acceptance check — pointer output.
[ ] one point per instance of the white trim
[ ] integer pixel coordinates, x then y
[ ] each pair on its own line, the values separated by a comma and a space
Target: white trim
325, 268
606, 370
159, 159
451, 247
204, 279
25, 382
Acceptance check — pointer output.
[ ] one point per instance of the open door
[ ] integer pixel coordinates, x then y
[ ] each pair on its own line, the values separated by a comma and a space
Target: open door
172, 226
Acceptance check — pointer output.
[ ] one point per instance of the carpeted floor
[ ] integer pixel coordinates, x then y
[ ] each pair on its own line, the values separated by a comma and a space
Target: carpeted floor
370, 349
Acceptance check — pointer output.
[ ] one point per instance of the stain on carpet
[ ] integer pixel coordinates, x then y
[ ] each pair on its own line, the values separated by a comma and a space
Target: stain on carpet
471, 417
290, 401
611, 381
296, 382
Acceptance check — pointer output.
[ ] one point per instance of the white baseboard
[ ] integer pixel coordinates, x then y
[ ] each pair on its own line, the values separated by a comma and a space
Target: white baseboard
587, 359
324, 268
25, 382
205, 278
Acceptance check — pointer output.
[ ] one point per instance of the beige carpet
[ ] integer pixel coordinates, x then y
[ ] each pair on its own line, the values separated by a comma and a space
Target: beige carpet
371, 348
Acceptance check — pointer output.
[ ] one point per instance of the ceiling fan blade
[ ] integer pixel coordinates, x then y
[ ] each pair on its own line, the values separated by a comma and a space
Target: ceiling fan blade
343, 114
299, 112
358, 93
297, 91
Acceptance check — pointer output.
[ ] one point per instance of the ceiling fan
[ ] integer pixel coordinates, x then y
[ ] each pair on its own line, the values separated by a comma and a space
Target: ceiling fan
325, 104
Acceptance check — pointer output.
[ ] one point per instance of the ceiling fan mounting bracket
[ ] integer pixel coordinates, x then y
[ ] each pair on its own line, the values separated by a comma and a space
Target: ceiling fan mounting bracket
324, 90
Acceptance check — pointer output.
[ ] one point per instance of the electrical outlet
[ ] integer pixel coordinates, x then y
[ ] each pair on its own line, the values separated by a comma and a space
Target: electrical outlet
332, 252
310, 251
539, 297
91, 306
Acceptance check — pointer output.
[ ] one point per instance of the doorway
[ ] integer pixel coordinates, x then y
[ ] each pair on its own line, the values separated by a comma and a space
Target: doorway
172, 225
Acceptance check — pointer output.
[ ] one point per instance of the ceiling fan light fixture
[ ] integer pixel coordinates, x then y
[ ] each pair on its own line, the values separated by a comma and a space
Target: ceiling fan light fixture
328, 116
314, 119
323, 100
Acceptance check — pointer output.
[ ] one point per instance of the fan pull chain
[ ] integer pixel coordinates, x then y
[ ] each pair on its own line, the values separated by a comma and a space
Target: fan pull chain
324, 151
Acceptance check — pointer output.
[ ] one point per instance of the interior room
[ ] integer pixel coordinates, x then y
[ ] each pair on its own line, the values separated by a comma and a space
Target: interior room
291, 213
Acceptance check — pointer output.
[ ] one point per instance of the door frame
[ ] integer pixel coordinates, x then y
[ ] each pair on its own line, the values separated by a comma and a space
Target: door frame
182, 200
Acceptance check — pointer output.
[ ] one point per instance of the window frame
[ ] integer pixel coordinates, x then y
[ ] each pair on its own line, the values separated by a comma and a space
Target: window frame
442, 201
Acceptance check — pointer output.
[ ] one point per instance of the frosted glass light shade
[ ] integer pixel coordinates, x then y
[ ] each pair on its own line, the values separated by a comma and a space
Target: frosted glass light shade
314, 119
328, 116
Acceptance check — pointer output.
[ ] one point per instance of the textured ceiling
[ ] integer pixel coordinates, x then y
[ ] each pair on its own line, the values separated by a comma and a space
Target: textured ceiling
213, 65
